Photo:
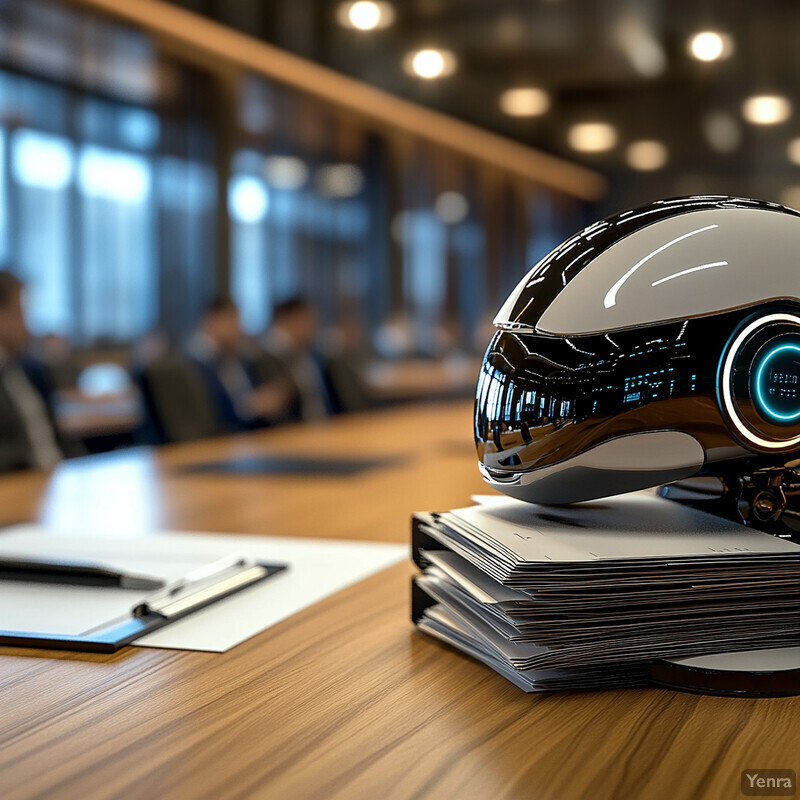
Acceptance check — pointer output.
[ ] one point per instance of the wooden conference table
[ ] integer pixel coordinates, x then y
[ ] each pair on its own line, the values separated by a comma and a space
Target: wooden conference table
344, 699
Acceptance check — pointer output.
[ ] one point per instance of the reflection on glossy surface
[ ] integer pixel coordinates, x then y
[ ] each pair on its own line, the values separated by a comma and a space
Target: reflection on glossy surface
669, 260
542, 400
624, 358
115, 494
611, 296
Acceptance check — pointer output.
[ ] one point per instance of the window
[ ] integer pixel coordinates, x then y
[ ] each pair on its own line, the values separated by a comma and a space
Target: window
296, 228
425, 265
119, 285
42, 172
248, 205
4, 205
187, 210
111, 235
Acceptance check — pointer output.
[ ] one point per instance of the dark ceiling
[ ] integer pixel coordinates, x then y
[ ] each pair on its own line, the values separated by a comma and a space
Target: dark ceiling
624, 62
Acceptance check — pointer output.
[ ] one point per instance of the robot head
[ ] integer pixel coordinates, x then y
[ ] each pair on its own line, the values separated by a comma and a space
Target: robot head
655, 345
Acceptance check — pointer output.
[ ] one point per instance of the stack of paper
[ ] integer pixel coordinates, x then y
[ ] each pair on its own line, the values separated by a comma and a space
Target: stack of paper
589, 595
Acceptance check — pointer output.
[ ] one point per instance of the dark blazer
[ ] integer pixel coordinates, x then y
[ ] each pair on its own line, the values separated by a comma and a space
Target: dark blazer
227, 416
16, 451
177, 404
268, 366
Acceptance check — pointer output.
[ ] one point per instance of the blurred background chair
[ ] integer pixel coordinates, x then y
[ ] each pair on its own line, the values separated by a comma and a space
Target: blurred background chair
178, 404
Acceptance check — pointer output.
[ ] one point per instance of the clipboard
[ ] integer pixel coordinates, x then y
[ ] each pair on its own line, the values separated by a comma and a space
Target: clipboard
177, 600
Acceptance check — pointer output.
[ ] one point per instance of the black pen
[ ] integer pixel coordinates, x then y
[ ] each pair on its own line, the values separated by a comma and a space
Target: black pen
78, 573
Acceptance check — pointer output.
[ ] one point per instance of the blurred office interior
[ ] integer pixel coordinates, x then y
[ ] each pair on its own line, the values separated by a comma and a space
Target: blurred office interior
390, 168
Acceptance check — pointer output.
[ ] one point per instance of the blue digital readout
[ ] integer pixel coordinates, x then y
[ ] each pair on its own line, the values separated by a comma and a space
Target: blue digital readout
777, 384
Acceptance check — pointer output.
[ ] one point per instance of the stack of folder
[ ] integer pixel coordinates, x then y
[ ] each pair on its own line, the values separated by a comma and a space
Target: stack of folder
591, 595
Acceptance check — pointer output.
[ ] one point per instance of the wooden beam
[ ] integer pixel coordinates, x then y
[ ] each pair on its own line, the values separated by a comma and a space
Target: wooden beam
185, 30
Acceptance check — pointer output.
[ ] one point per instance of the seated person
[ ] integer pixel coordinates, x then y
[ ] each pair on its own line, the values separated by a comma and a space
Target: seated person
57, 361
347, 363
216, 349
28, 436
288, 353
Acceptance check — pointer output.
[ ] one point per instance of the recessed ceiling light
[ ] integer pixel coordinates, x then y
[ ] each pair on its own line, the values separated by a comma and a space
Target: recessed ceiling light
638, 42
592, 137
766, 109
365, 15
451, 207
722, 131
710, 46
524, 101
793, 151
646, 155
430, 63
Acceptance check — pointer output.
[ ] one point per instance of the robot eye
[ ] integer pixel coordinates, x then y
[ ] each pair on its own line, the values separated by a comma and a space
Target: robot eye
759, 382
776, 382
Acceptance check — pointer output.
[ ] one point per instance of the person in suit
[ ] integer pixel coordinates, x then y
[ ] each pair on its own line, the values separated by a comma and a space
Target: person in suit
28, 435
216, 350
288, 353
347, 358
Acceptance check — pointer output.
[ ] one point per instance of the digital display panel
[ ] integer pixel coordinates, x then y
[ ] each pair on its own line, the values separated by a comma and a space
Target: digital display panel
776, 383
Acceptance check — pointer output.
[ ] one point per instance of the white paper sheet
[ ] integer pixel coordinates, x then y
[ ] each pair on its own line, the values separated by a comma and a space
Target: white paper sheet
637, 525
317, 568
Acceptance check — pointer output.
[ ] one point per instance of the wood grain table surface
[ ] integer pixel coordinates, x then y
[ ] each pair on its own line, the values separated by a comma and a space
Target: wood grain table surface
345, 699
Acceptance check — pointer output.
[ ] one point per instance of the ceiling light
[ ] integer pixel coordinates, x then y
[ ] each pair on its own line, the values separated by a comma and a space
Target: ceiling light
339, 180
793, 151
430, 63
766, 109
285, 172
451, 207
646, 155
710, 46
723, 133
509, 31
636, 39
365, 15
592, 137
524, 102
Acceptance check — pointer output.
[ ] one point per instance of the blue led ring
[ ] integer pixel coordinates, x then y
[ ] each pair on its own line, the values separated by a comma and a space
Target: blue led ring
728, 403
759, 391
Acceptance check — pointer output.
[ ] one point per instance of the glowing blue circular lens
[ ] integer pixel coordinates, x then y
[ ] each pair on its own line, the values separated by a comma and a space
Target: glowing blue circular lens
777, 384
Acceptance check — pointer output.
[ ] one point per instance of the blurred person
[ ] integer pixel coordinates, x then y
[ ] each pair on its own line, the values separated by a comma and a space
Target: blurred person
151, 346
57, 359
28, 434
348, 360
394, 339
288, 353
217, 350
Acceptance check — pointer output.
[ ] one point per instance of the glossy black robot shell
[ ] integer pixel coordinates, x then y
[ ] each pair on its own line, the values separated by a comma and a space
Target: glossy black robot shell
658, 344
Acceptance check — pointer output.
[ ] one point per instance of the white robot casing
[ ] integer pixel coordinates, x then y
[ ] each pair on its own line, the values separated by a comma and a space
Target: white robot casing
655, 345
